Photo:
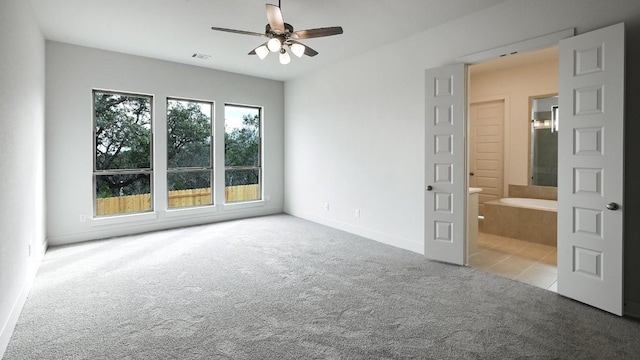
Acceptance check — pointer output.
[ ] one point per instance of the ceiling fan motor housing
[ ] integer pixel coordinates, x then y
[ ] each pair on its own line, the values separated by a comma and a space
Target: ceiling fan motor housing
288, 29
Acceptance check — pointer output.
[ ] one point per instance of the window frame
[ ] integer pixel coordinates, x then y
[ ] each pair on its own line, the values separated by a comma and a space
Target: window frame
149, 171
260, 168
212, 161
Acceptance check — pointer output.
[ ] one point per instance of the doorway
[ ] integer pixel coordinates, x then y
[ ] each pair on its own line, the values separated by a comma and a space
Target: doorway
590, 168
499, 158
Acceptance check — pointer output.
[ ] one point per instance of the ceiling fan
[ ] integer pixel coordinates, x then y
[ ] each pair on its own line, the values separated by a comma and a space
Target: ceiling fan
281, 35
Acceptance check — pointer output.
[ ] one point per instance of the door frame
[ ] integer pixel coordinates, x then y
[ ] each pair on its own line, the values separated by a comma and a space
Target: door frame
581, 294
537, 43
439, 253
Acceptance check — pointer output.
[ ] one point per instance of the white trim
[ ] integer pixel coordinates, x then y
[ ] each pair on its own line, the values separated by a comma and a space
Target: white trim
536, 43
191, 211
14, 314
365, 232
244, 205
123, 219
6, 331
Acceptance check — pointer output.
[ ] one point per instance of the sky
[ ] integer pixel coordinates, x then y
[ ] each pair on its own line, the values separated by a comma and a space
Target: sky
232, 113
233, 116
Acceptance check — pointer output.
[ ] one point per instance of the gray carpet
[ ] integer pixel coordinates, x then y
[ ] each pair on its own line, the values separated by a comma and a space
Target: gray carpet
279, 287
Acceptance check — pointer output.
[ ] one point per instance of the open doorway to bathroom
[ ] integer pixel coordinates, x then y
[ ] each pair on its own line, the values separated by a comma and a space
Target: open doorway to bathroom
507, 138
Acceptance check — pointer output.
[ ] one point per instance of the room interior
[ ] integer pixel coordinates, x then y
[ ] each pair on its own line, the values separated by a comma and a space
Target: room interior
343, 131
505, 246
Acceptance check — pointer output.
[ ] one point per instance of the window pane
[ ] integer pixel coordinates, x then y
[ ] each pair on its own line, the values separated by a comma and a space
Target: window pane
189, 188
188, 134
242, 185
242, 136
122, 194
122, 131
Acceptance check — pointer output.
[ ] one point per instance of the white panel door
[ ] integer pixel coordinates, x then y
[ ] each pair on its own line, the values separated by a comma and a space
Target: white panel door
590, 163
446, 188
486, 123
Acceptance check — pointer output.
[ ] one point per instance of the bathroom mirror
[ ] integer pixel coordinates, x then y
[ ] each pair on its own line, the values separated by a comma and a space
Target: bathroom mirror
544, 141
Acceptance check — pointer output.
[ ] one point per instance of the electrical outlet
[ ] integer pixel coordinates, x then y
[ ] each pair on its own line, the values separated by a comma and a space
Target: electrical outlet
357, 213
268, 197
83, 217
326, 206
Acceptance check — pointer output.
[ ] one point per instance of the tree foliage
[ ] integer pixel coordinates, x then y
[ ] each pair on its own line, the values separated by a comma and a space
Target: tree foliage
188, 145
188, 135
123, 141
242, 149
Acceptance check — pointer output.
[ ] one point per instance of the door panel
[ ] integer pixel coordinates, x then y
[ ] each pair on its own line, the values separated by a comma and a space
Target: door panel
590, 164
446, 195
485, 154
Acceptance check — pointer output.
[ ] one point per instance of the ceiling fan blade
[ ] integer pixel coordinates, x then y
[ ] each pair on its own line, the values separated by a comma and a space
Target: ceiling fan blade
314, 33
241, 32
253, 52
274, 15
307, 50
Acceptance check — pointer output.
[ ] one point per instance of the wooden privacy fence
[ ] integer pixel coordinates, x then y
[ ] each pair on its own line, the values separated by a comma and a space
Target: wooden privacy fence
177, 199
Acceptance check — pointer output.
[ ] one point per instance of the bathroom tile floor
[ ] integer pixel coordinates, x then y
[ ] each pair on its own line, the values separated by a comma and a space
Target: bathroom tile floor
520, 260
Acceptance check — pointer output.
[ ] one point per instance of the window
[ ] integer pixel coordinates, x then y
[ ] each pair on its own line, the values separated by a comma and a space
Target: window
189, 165
242, 144
123, 147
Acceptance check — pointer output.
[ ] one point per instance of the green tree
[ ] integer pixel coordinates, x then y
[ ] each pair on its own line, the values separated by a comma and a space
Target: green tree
123, 142
188, 145
188, 135
242, 149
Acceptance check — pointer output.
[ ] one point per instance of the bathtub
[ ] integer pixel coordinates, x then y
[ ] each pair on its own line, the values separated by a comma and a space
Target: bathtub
534, 220
540, 204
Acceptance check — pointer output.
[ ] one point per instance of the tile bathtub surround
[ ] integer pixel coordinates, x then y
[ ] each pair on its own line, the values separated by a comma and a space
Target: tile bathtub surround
531, 263
533, 192
538, 226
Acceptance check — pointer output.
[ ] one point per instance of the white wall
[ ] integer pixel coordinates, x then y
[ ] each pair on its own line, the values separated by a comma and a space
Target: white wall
354, 132
517, 85
72, 73
22, 56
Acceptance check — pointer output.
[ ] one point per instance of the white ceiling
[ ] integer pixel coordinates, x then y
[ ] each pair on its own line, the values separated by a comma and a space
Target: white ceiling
174, 30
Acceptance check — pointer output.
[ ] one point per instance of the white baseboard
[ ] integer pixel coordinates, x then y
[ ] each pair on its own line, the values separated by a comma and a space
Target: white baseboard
368, 233
7, 328
632, 309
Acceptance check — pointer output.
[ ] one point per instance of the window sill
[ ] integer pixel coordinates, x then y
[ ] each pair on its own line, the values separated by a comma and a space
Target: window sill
191, 211
123, 219
244, 205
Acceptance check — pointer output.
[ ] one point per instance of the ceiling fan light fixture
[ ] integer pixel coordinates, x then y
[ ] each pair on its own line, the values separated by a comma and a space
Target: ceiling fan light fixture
297, 49
274, 44
282, 38
284, 57
262, 52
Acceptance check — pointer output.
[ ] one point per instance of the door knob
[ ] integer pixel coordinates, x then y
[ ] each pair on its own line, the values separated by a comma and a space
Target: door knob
612, 206
471, 174
429, 188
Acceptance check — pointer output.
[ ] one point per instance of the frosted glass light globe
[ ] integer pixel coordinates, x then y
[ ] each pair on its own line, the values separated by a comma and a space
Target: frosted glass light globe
262, 52
274, 45
284, 57
297, 49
